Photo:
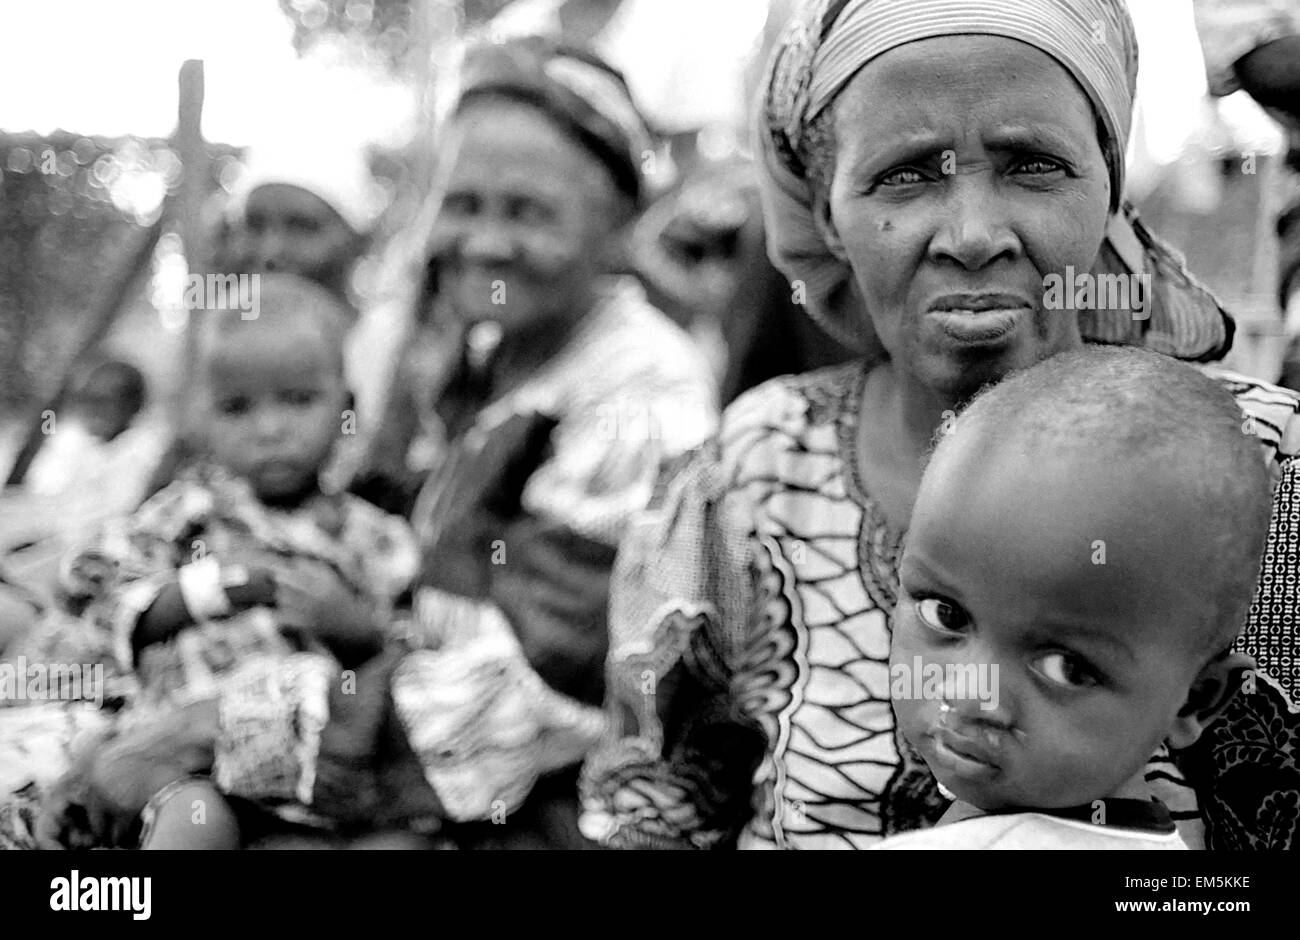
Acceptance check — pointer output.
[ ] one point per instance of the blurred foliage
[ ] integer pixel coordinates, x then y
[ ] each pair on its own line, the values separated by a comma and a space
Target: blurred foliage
71, 211
72, 207
382, 29
382, 32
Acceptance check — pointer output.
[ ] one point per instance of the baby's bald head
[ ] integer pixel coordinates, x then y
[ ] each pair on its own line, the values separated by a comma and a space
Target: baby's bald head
292, 309
275, 391
1167, 426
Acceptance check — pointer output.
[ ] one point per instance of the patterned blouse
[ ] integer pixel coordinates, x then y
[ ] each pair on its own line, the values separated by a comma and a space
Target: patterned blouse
748, 688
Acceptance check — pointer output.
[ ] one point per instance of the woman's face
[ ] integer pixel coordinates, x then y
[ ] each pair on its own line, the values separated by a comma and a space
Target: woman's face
526, 221
967, 169
286, 228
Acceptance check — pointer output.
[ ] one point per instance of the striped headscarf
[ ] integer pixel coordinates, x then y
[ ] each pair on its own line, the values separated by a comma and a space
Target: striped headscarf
579, 91
829, 41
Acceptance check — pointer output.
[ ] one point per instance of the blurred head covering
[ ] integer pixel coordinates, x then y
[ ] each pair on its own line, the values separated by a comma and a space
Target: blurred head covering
829, 41
576, 89
336, 173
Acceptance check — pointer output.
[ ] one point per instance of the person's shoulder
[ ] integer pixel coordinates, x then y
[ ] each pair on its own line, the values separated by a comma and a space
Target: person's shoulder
797, 402
978, 832
1272, 410
1019, 831
788, 430
646, 339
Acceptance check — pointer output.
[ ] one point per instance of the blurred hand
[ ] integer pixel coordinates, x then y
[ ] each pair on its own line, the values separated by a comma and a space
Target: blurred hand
99, 801
470, 503
313, 601
554, 589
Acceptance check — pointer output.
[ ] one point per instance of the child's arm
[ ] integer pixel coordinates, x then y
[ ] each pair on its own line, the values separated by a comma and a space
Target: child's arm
172, 611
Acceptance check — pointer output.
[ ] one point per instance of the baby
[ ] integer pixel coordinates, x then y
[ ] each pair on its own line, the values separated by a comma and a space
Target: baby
1088, 534
244, 558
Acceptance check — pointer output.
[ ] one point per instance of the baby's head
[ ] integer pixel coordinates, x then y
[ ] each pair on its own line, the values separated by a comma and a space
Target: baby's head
275, 392
107, 396
1089, 532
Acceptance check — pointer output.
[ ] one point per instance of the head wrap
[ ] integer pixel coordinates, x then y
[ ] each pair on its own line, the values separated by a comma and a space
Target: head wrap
336, 173
576, 89
829, 41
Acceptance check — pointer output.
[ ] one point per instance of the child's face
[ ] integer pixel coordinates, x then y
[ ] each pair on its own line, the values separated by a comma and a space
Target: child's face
1078, 581
275, 407
103, 405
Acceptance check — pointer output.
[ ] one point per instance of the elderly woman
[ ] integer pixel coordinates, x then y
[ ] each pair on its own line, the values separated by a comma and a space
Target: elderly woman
937, 161
569, 388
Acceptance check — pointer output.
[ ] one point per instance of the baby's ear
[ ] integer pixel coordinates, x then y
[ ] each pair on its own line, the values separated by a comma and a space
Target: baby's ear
1211, 692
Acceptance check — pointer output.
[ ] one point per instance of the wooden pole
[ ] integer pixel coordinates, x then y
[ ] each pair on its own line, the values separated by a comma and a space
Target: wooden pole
185, 215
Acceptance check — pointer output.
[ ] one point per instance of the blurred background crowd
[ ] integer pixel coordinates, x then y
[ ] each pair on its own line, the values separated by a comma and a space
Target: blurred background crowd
101, 216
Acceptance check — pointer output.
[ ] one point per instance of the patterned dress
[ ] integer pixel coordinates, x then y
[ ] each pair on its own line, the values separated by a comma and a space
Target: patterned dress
750, 625
113, 580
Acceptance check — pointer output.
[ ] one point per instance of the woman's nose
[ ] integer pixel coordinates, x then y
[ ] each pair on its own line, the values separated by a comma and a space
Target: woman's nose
975, 232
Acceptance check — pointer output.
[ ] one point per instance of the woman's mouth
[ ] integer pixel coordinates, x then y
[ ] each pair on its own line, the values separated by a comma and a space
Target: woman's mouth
976, 319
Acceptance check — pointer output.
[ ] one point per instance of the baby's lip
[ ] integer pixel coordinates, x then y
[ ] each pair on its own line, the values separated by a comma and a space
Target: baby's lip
980, 747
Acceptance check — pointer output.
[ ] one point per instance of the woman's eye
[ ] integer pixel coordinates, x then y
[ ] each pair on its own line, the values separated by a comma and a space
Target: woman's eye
1038, 166
233, 407
938, 614
529, 212
301, 397
1067, 670
902, 177
302, 225
459, 204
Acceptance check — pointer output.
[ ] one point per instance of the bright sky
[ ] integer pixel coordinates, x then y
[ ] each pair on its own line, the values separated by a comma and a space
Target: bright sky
109, 67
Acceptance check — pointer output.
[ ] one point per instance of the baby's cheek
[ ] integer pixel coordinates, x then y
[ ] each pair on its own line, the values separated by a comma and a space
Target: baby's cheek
905, 645
1090, 759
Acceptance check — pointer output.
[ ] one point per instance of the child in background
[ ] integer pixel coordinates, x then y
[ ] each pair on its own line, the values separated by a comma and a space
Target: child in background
244, 556
93, 465
94, 441
1109, 600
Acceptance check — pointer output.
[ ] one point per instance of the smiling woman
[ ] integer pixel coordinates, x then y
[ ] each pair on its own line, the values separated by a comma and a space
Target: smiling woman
936, 161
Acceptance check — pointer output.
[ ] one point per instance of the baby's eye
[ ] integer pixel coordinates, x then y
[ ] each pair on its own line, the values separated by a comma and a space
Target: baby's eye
938, 614
233, 407
1067, 670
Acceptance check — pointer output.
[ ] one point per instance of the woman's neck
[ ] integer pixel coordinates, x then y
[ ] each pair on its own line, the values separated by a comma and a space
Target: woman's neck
522, 353
918, 411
